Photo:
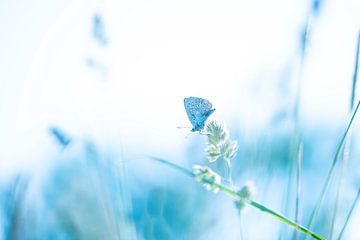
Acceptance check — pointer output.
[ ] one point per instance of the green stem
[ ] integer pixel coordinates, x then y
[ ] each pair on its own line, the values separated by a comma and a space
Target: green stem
298, 187
352, 100
349, 215
233, 194
331, 170
346, 149
230, 179
343, 161
241, 228
355, 73
266, 210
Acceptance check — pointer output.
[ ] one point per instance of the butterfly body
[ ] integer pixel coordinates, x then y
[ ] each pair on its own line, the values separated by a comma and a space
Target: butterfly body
198, 111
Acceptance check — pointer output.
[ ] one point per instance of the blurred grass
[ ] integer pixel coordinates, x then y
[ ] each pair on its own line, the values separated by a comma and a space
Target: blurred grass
87, 194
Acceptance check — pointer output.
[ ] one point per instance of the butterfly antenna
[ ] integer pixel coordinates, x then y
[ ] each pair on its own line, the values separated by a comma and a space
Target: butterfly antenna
203, 133
186, 128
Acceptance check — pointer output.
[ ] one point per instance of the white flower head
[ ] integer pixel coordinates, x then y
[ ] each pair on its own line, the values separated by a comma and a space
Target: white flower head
218, 144
207, 177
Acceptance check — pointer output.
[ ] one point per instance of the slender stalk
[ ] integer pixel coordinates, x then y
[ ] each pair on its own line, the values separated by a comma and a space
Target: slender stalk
355, 74
16, 204
96, 178
289, 192
342, 161
297, 140
331, 170
356, 200
346, 149
233, 194
230, 179
173, 165
352, 100
298, 188
285, 220
266, 210
241, 228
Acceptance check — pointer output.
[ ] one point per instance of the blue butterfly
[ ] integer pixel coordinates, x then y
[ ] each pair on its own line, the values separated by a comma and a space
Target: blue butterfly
198, 111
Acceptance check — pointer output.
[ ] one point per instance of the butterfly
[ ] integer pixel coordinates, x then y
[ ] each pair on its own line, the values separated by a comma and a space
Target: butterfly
198, 111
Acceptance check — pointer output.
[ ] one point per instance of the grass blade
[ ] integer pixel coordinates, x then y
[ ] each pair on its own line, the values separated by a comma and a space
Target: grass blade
355, 74
346, 149
349, 215
233, 194
331, 170
298, 187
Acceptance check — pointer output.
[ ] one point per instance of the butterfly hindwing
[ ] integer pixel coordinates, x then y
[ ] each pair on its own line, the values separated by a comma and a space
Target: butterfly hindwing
198, 111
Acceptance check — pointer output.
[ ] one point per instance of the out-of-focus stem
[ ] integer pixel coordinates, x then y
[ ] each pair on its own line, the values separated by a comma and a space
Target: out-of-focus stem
236, 196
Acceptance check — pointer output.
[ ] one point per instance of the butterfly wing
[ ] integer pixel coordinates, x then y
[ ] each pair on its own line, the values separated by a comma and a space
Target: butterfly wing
198, 111
192, 109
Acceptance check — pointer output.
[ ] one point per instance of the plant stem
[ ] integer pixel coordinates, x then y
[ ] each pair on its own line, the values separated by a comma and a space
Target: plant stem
331, 170
233, 194
241, 228
346, 149
298, 187
343, 162
355, 74
264, 209
352, 100
349, 215
230, 179
173, 165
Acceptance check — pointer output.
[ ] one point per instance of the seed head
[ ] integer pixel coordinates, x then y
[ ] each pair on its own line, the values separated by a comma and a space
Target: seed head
247, 192
219, 145
207, 177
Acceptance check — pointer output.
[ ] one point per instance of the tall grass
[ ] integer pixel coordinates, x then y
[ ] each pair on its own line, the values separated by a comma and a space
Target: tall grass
238, 197
340, 155
346, 149
331, 170
352, 100
349, 215
295, 160
14, 207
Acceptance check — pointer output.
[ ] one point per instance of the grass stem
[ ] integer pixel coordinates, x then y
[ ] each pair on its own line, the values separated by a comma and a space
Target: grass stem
349, 215
230, 179
298, 187
233, 194
331, 170
345, 151
241, 228
352, 100
355, 73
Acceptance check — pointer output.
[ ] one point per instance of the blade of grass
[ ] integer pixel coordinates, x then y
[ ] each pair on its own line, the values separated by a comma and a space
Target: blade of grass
352, 99
15, 207
96, 171
125, 204
342, 161
297, 138
346, 149
233, 194
241, 228
298, 187
355, 74
331, 170
356, 200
